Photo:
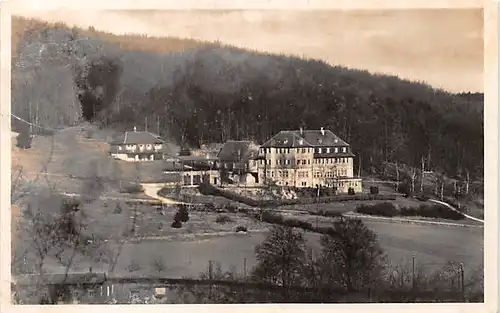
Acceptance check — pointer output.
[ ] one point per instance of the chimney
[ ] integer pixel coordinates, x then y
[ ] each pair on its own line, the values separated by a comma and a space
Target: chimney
322, 131
135, 129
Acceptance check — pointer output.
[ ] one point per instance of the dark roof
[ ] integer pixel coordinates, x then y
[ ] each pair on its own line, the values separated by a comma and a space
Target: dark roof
308, 138
70, 279
137, 137
236, 151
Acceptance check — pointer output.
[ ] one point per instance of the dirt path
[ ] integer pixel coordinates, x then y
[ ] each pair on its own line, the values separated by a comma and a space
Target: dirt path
151, 190
454, 209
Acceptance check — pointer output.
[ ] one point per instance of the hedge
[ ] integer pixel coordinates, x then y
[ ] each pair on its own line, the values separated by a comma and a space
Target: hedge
208, 189
388, 209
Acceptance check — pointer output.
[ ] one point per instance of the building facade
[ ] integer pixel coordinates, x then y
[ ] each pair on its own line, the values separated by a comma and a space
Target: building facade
308, 158
135, 146
238, 160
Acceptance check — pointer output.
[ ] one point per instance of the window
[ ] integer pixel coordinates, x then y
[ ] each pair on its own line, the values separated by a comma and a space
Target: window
298, 162
309, 162
272, 173
148, 147
327, 150
336, 150
319, 150
119, 147
91, 293
344, 149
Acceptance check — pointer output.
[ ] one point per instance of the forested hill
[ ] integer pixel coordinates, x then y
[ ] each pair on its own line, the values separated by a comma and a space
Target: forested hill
198, 92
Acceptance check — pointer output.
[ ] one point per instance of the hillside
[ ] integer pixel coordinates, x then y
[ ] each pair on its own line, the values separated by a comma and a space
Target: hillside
197, 93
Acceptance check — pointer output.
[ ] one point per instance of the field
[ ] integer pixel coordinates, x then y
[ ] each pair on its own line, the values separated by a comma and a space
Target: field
71, 159
433, 248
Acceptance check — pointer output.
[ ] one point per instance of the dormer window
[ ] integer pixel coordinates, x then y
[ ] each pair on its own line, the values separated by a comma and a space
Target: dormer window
319, 150
344, 149
336, 150
301, 142
327, 150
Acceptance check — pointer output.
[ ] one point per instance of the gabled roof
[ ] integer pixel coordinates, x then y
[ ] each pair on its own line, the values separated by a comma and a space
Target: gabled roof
137, 137
236, 151
308, 138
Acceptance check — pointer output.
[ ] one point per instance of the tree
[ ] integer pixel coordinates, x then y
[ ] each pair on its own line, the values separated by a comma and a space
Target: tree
158, 265
351, 257
280, 258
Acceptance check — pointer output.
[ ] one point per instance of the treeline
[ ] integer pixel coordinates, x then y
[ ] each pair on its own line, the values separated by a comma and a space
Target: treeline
205, 93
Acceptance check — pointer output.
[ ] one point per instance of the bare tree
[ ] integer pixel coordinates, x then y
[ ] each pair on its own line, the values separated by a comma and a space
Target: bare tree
158, 265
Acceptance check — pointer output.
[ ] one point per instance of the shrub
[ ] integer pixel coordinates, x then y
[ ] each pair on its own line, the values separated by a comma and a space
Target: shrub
422, 197
209, 207
439, 211
131, 188
182, 214
381, 209
241, 229
231, 208
271, 218
24, 140
374, 190
222, 219
176, 224
291, 222
350, 191
404, 188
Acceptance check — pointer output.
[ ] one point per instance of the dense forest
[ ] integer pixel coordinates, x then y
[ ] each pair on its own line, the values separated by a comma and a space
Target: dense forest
198, 92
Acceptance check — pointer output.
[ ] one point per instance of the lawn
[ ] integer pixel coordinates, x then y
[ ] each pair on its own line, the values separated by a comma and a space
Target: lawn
432, 246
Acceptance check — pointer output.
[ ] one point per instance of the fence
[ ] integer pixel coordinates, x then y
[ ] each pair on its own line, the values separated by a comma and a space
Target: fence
208, 189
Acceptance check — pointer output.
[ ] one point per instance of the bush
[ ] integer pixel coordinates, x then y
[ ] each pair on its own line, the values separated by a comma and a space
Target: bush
271, 218
231, 208
350, 191
422, 197
291, 222
404, 188
381, 209
182, 214
24, 140
241, 229
176, 224
374, 190
223, 219
131, 188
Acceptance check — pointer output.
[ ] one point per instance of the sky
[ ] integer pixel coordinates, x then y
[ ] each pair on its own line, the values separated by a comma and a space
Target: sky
441, 47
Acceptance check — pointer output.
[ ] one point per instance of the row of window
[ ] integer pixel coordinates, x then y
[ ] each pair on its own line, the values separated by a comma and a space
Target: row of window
305, 174
330, 174
306, 150
308, 161
132, 147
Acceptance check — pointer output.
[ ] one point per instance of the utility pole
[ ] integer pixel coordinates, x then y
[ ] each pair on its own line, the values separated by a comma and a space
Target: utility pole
413, 271
146, 124
317, 205
462, 283
158, 125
